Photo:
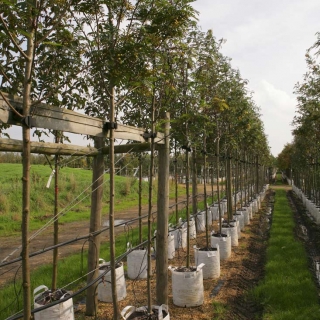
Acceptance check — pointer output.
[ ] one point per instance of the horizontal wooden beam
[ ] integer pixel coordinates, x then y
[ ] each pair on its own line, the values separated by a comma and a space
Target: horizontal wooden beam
11, 145
54, 118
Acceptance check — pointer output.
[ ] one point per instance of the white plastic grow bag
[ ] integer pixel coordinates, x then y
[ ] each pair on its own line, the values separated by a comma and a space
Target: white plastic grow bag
238, 217
233, 231
210, 217
137, 264
61, 311
171, 247
180, 237
246, 216
224, 243
201, 221
192, 228
104, 287
187, 287
211, 261
224, 206
215, 212
129, 310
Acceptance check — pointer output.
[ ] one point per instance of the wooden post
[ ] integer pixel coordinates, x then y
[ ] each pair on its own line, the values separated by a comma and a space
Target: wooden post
162, 218
95, 224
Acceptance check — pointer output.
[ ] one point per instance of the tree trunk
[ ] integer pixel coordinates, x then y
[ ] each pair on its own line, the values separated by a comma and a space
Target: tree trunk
26, 166
229, 185
162, 218
56, 221
194, 182
95, 224
140, 199
116, 313
187, 207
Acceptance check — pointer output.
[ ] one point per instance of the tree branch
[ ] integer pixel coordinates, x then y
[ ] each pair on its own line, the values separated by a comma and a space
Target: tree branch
12, 39
10, 105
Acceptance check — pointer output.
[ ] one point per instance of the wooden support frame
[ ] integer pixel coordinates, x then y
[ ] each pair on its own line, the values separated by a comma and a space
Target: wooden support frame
54, 118
12, 145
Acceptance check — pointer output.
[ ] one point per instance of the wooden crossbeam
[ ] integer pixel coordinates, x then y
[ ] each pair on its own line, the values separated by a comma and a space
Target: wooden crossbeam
54, 118
12, 145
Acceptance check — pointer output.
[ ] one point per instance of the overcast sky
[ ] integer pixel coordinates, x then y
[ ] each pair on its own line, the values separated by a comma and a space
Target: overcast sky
267, 42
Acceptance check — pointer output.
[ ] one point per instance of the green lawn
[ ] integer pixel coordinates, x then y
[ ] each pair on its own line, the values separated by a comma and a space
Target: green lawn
288, 290
74, 195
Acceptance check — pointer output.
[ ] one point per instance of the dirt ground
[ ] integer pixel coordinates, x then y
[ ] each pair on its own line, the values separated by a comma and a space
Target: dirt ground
238, 274
69, 231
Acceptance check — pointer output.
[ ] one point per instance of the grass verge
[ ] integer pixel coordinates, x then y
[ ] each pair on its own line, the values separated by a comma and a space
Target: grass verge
288, 290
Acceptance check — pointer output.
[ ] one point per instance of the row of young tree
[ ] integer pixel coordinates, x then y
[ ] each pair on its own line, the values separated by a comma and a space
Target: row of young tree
300, 159
128, 62
152, 54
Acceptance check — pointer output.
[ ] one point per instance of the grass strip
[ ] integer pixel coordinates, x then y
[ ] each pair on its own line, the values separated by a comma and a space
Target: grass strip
288, 290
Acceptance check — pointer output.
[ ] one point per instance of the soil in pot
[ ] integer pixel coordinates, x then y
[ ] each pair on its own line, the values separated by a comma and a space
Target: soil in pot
143, 315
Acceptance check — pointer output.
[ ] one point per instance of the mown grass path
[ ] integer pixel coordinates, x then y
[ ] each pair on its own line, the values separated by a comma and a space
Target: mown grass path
288, 290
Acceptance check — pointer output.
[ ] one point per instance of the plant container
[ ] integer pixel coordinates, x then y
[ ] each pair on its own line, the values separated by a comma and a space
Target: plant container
141, 313
104, 287
61, 311
137, 264
187, 286
180, 237
223, 240
210, 257
171, 245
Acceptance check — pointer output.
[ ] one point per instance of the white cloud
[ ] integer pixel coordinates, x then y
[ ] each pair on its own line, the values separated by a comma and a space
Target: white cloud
277, 109
267, 41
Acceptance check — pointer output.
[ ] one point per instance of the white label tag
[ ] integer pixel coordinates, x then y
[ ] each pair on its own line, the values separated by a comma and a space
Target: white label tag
189, 275
211, 254
224, 239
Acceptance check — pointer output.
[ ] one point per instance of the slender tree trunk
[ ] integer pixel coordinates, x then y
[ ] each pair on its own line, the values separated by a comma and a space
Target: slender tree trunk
150, 205
56, 222
241, 181
26, 164
95, 225
218, 182
116, 313
162, 217
212, 182
176, 182
205, 192
257, 175
187, 207
194, 182
140, 199
229, 185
